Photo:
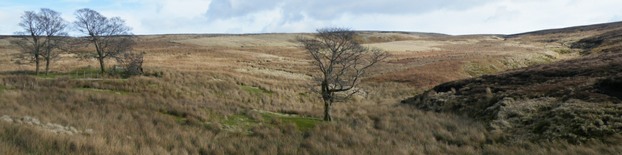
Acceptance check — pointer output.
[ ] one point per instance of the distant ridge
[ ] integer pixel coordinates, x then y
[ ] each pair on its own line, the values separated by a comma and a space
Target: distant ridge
573, 29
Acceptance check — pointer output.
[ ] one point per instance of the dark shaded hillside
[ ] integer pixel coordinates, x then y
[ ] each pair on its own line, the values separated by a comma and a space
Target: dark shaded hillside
575, 100
601, 43
574, 29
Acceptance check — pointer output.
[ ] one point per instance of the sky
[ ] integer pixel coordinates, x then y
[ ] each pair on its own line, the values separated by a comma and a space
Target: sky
454, 17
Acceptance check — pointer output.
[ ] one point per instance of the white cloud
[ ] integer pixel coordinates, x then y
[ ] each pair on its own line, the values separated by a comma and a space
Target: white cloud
246, 16
453, 17
160, 17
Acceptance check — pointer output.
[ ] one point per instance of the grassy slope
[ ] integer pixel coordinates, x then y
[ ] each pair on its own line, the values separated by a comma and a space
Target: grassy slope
209, 98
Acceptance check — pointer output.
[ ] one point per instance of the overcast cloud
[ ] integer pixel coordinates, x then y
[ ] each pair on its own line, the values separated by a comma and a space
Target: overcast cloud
273, 16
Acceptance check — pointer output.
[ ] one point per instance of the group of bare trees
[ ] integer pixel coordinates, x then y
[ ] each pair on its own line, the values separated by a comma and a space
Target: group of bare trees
44, 31
45, 37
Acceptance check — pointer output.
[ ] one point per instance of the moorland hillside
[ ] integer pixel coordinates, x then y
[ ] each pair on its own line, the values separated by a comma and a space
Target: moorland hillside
250, 93
576, 100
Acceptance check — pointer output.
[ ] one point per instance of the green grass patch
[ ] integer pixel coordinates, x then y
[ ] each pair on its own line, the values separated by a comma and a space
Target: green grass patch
82, 73
238, 120
476, 69
238, 123
303, 123
51, 75
303, 94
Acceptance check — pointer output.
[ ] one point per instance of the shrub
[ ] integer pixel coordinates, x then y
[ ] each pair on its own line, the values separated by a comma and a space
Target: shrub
131, 63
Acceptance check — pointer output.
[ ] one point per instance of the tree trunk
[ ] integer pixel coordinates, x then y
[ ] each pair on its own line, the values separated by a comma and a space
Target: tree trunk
100, 54
47, 58
47, 66
37, 51
327, 116
101, 65
328, 101
37, 64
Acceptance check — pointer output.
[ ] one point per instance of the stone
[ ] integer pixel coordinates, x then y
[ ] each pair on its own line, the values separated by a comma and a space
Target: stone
31, 121
7, 118
72, 129
88, 131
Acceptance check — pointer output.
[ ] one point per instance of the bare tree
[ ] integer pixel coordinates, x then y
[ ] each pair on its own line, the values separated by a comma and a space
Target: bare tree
110, 36
32, 44
341, 60
45, 31
54, 31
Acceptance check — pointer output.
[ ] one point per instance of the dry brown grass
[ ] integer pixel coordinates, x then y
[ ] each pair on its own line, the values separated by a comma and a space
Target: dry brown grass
203, 94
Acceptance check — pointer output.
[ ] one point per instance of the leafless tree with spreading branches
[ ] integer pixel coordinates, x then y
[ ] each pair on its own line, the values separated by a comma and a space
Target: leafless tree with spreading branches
54, 30
110, 36
342, 61
45, 31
